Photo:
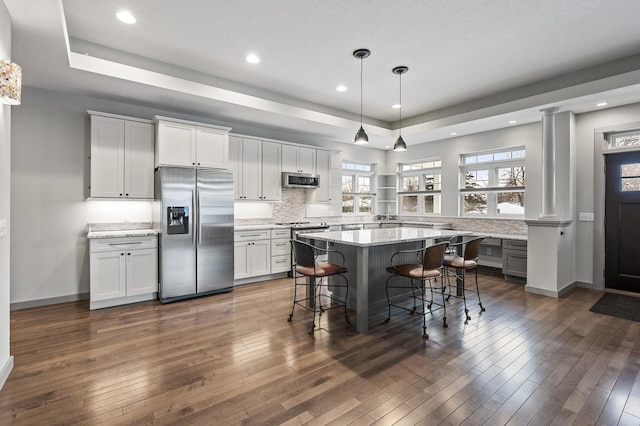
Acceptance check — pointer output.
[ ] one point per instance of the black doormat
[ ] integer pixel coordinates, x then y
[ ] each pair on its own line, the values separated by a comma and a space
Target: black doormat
618, 305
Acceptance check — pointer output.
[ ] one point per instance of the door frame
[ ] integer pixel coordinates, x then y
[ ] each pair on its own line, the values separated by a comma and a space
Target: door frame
601, 148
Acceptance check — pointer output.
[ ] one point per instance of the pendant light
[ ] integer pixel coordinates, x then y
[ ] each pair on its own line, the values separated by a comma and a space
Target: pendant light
361, 137
400, 145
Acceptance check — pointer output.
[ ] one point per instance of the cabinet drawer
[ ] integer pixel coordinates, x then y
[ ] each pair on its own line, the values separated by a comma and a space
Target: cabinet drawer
127, 243
281, 233
280, 263
492, 242
252, 235
280, 246
514, 244
514, 263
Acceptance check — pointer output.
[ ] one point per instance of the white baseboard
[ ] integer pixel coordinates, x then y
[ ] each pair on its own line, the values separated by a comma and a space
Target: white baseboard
50, 301
6, 370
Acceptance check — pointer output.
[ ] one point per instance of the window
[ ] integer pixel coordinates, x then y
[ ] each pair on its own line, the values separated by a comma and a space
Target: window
492, 184
420, 187
625, 140
630, 177
358, 190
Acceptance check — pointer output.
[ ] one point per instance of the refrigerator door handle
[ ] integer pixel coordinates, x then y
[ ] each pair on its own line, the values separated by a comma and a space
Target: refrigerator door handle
193, 213
199, 221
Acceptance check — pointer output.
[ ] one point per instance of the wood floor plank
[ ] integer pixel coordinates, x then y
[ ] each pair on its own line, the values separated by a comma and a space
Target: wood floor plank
234, 359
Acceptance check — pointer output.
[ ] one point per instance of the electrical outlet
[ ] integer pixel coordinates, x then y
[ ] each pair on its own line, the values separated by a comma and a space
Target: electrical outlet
585, 217
489, 252
3, 228
125, 217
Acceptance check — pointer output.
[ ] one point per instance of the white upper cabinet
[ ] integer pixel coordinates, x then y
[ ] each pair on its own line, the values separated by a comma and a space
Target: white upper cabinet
298, 159
121, 157
256, 169
212, 148
188, 144
323, 169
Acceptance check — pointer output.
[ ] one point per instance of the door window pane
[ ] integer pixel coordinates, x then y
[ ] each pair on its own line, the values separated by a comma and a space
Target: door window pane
630, 170
630, 184
475, 203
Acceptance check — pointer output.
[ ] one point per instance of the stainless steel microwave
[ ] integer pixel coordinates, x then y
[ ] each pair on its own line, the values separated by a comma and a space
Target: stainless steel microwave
300, 180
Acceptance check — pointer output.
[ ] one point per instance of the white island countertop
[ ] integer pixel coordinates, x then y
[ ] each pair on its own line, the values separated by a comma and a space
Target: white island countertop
382, 236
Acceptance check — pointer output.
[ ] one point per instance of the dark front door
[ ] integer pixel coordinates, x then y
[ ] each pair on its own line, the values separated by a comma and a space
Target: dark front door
622, 227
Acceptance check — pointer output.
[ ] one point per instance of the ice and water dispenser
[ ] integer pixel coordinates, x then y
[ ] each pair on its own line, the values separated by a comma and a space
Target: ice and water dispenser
177, 220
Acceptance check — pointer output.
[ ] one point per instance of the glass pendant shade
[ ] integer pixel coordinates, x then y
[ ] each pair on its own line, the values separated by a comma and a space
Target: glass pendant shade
10, 83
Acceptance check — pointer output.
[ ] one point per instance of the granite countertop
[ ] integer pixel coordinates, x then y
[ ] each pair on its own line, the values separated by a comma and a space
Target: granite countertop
519, 237
259, 227
120, 230
383, 236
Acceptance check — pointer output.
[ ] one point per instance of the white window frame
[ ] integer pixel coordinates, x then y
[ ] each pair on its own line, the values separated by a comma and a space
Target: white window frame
357, 169
493, 187
422, 191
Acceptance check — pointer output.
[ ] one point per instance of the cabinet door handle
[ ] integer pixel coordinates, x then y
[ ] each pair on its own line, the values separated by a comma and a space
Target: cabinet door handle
249, 235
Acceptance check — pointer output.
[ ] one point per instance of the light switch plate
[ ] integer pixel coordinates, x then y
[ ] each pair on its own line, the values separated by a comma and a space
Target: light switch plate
585, 217
3, 228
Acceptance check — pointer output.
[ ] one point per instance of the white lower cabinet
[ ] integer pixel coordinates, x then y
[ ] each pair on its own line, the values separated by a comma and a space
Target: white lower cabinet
123, 270
252, 254
280, 250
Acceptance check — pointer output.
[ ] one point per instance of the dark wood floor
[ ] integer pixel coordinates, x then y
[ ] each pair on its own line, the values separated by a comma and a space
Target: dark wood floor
234, 358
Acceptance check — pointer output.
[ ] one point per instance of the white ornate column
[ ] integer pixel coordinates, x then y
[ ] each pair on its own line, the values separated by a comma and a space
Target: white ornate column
548, 163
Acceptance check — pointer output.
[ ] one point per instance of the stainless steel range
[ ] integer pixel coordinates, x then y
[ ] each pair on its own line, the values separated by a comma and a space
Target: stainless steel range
298, 229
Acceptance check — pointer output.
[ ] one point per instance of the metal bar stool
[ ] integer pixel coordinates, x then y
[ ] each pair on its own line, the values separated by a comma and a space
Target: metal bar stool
459, 267
427, 267
309, 267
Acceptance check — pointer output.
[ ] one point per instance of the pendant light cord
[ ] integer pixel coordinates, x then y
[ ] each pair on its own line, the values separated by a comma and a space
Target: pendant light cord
400, 129
360, 91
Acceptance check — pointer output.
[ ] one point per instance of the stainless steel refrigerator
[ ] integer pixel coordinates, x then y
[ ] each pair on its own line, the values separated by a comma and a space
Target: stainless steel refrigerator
194, 215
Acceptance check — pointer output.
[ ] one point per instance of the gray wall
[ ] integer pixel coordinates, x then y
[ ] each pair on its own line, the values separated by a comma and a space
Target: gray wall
588, 168
49, 250
449, 151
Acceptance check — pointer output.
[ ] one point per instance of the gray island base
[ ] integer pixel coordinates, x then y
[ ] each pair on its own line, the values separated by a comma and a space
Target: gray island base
367, 254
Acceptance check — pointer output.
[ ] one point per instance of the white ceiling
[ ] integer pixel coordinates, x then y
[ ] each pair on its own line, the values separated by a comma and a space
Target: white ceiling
473, 65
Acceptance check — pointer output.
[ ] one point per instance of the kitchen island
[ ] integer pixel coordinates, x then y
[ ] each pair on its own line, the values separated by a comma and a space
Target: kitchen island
367, 254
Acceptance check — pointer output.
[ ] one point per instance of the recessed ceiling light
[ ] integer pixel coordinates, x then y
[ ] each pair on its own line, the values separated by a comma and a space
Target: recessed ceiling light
396, 106
601, 104
252, 58
453, 133
341, 88
387, 146
126, 17
513, 122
